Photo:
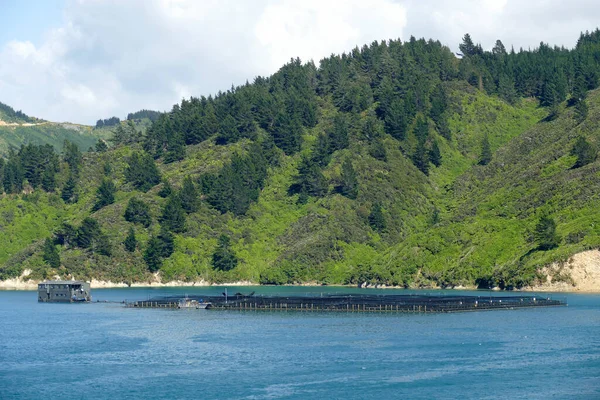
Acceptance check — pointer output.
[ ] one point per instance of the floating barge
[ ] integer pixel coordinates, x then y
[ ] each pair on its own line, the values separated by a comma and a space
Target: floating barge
354, 303
64, 292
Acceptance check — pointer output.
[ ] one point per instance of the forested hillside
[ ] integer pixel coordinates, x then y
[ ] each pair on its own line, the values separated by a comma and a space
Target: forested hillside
396, 163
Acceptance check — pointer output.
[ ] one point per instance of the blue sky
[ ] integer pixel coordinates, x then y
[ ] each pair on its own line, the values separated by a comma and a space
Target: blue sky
25, 20
81, 60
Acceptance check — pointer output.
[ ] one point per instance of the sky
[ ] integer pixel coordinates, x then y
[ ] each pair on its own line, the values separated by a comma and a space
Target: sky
81, 60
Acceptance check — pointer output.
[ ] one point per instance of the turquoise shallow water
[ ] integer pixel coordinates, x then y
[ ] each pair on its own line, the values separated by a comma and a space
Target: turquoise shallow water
105, 351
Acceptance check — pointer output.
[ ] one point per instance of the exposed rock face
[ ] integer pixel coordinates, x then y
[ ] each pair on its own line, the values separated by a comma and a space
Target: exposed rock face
581, 273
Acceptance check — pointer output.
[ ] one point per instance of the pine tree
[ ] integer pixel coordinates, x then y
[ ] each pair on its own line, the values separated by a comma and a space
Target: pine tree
396, 120
378, 150
166, 189
105, 194
545, 233
338, 135
435, 156
420, 157
130, 242
152, 254
349, 186
101, 146
321, 154
486, 151
228, 131
190, 198
138, 212
50, 254
224, 258
49, 179
119, 135
309, 181
586, 153
499, 49
176, 148
87, 233
579, 91
506, 89
377, 219
167, 242
581, 111
142, 171
72, 156
102, 246
173, 216
69, 193
467, 47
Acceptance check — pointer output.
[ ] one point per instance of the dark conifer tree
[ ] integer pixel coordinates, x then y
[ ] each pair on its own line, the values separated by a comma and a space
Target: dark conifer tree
210, 123
581, 111
130, 242
586, 153
142, 171
338, 135
173, 216
167, 242
69, 190
105, 194
87, 233
224, 258
396, 120
435, 156
486, 151
420, 157
349, 186
72, 156
322, 151
228, 131
102, 245
190, 198
138, 212
176, 149
309, 181
545, 233
13, 174
287, 133
50, 254
378, 150
152, 254
376, 218
166, 189
49, 180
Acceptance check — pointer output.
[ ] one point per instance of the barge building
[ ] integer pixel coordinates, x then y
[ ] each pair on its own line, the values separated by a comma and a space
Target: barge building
64, 292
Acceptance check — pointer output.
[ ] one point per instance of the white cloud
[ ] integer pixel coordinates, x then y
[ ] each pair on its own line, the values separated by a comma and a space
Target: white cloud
111, 57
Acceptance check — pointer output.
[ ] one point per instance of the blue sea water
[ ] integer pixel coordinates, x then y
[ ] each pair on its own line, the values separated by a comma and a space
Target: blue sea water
105, 351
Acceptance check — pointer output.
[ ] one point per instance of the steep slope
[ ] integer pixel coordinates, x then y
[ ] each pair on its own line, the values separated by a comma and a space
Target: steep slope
395, 164
486, 232
277, 241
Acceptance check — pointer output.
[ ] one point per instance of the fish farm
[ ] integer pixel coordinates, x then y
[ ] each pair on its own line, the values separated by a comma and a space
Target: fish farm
348, 303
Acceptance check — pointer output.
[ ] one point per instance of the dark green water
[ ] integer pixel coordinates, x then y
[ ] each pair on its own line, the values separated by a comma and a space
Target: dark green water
105, 351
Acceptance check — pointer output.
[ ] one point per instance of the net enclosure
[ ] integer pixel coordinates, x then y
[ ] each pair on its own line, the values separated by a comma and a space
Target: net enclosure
353, 302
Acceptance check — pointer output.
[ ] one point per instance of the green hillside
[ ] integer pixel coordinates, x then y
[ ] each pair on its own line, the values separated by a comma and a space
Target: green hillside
50, 133
373, 168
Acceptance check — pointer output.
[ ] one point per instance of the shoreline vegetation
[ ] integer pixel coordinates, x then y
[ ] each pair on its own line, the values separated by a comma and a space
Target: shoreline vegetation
580, 274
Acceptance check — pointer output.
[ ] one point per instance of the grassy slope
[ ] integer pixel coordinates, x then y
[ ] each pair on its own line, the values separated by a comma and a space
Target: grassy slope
486, 213
48, 133
492, 210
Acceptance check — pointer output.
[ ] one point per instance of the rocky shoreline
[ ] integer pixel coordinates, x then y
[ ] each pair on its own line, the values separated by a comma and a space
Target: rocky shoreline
580, 274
